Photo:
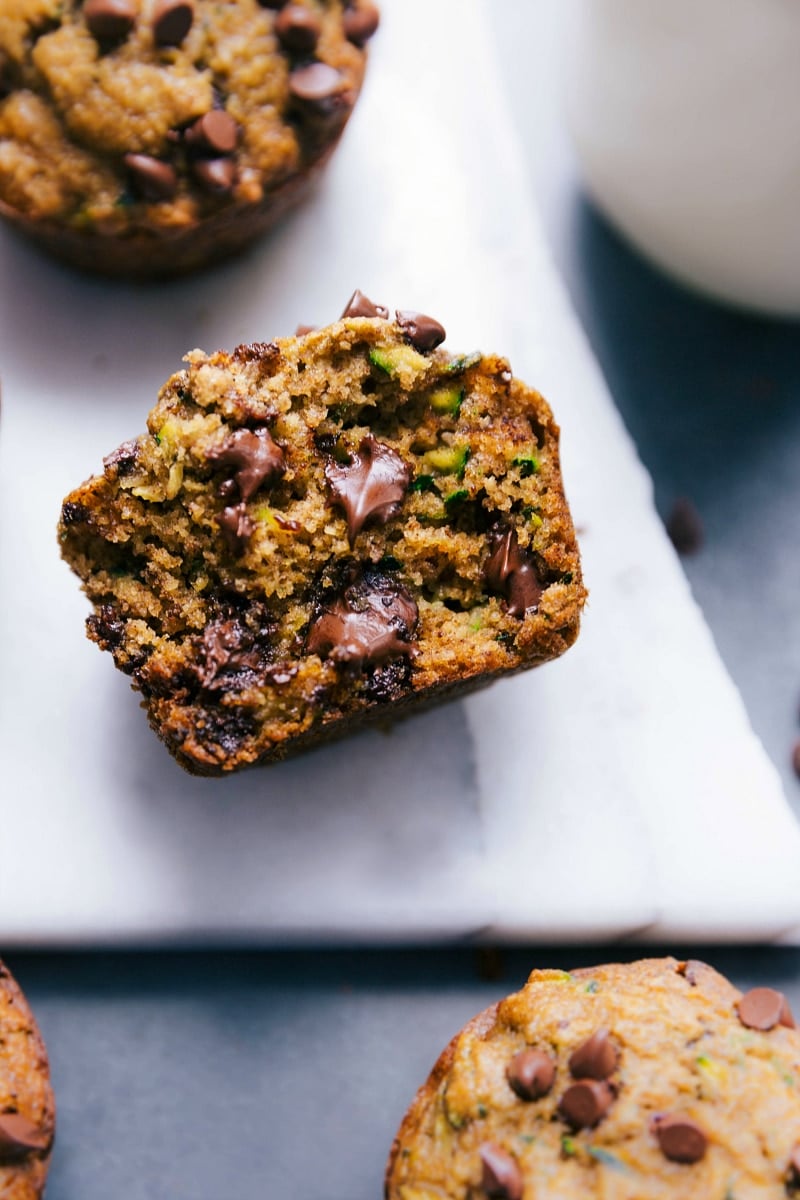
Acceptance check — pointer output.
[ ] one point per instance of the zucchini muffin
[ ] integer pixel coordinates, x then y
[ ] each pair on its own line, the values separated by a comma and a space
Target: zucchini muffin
27, 1108
650, 1080
324, 530
149, 137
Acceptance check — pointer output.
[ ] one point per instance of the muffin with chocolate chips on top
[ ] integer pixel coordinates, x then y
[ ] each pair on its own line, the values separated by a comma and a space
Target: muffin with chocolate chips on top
149, 137
655, 1080
27, 1108
326, 530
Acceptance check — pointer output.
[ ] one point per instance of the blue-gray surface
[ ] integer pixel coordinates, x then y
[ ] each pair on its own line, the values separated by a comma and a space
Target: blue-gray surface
210, 1076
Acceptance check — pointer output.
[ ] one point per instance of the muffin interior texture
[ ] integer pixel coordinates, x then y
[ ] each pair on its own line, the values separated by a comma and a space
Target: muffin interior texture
321, 525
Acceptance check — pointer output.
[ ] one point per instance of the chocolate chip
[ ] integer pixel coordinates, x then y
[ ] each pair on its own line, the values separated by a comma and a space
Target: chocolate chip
216, 132
371, 486
690, 970
764, 1008
360, 22
315, 82
423, 332
796, 758
172, 20
584, 1104
595, 1058
122, 460
531, 1074
235, 527
73, 513
793, 1169
360, 305
216, 175
501, 1177
681, 1140
298, 29
20, 1137
512, 573
232, 656
151, 178
255, 457
110, 20
685, 527
274, 4
373, 619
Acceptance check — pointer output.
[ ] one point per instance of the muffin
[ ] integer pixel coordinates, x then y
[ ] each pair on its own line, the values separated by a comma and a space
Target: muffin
324, 530
149, 137
27, 1108
628, 1082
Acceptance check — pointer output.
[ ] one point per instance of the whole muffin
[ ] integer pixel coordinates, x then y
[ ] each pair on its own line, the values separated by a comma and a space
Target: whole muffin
149, 137
325, 530
27, 1108
626, 1082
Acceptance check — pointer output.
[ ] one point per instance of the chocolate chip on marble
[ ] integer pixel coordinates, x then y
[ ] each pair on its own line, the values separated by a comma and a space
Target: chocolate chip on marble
685, 526
298, 29
20, 1137
172, 20
371, 620
371, 486
315, 82
423, 332
151, 178
110, 20
215, 132
501, 1178
584, 1104
512, 573
531, 1074
680, 1139
216, 175
360, 22
796, 758
254, 456
763, 1008
360, 305
596, 1058
235, 527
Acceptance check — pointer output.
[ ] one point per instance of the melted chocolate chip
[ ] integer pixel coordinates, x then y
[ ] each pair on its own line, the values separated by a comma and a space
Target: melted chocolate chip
372, 619
110, 20
501, 1178
387, 681
360, 22
685, 527
20, 1137
122, 460
172, 20
227, 728
531, 1074
360, 305
151, 178
216, 175
764, 1008
315, 83
512, 573
371, 486
596, 1058
423, 332
680, 1139
215, 132
235, 527
584, 1104
255, 457
298, 29
73, 513
106, 627
232, 656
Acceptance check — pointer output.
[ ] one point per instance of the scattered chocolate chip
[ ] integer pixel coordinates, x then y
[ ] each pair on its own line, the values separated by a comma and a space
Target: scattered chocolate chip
172, 20
793, 1169
681, 1140
371, 486
360, 22
298, 29
20, 1137
372, 619
596, 1058
360, 305
122, 460
584, 1104
73, 513
302, 330
685, 526
255, 457
531, 1074
110, 20
232, 656
315, 82
501, 1178
274, 4
512, 573
796, 758
764, 1008
215, 132
260, 352
216, 175
151, 178
423, 332
235, 527
106, 627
